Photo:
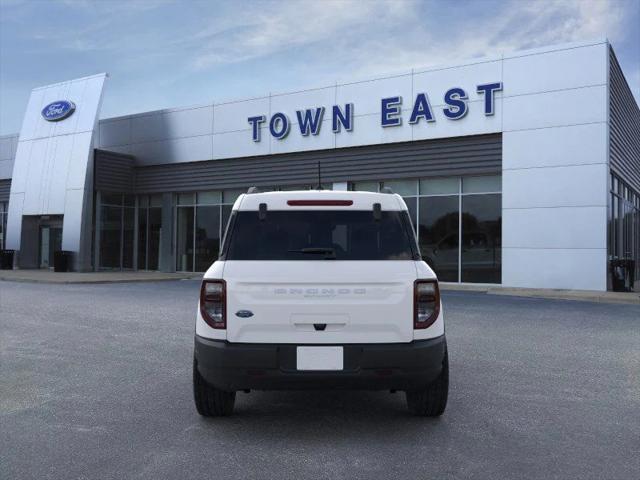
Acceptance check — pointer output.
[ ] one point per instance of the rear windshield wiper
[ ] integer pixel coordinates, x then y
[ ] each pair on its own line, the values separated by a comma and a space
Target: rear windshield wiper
329, 252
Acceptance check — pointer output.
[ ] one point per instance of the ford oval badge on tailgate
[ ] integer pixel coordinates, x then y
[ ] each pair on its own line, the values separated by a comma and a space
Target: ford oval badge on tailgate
244, 313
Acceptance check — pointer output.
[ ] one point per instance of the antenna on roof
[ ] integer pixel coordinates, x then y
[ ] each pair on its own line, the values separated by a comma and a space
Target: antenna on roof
319, 177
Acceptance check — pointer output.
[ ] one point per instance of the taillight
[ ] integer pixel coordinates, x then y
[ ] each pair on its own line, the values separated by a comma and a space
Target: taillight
426, 303
213, 303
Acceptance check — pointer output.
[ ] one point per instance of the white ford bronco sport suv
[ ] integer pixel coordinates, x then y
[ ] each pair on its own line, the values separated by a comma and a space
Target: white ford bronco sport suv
320, 289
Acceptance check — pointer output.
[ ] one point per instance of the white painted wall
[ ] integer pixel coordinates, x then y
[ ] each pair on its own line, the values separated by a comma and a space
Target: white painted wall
8, 147
221, 130
52, 172
555, 168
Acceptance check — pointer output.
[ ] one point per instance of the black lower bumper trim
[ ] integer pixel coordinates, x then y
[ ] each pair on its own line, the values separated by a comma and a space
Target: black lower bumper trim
389, 366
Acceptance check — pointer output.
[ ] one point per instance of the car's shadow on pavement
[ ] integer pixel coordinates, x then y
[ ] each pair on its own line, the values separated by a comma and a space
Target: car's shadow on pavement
333, 402
316, 413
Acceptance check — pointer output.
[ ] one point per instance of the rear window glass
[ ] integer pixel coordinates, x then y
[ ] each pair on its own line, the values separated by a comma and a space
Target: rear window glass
320, 235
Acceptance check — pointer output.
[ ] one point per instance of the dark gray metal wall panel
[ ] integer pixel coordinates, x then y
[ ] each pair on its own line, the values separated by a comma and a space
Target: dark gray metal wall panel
624, 126
479, 154
5, 189
113, 172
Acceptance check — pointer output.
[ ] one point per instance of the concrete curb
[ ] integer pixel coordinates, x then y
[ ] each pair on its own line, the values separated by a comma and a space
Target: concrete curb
95, 282
630, 298
91, 278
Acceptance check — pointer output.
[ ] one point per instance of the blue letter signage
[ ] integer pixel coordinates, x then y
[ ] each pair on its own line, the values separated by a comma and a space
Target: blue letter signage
56, 111
456, 98
255, 126
339, 118
310, 122
279, 125
487, 89
456, 106
390, 111
421, 109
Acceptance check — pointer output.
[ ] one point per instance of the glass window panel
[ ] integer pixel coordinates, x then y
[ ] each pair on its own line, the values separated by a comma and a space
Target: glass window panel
110, 236
439, 186
128, 234
111, 199
130, 200
55, 242
3, 222
207, 237
412, 203
291, 188
402, 187
226, 213
143, 201
365, 186
230, 196
184, 239
209, 198
438, 235
483, 184
482, 238
155, 200
186, 199
155, 230
142, 238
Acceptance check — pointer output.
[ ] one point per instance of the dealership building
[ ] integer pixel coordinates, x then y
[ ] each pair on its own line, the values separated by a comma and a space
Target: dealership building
521, 169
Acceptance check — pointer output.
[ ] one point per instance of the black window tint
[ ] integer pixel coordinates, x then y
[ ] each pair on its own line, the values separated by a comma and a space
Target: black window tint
320, 235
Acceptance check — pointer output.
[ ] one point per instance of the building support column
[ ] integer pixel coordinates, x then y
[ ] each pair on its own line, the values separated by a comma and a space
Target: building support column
167, 257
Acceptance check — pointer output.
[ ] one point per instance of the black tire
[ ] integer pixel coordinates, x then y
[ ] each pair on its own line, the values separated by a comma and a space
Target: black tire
432, 401
211, 402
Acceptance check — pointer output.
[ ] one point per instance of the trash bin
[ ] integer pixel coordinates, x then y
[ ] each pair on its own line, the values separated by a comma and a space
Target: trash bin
62, 261
6, 259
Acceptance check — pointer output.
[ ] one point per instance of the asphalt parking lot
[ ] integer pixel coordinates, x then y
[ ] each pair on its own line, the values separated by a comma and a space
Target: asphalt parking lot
95, 382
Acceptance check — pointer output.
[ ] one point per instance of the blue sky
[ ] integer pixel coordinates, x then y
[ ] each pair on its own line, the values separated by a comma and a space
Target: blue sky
173, 53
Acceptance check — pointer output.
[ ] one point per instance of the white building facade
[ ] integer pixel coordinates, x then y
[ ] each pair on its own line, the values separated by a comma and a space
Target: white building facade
521, 169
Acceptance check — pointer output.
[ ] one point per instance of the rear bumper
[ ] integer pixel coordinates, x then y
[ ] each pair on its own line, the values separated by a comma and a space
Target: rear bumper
389, 366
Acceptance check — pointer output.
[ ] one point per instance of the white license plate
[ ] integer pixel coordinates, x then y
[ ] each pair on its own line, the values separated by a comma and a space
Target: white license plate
319, 358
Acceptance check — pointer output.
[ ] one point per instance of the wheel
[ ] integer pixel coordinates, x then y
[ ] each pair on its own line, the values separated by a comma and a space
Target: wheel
211, 402
432, 401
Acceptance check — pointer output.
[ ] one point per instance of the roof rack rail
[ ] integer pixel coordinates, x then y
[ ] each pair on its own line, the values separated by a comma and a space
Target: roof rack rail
253, 190
386, 190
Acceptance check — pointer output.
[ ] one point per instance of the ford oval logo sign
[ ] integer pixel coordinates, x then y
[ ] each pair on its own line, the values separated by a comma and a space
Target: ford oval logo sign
56, 111
244, 313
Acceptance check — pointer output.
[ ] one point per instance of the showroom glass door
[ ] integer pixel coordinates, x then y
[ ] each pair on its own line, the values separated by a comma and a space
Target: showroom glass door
149, 232
201, 220
116, 231
50, 242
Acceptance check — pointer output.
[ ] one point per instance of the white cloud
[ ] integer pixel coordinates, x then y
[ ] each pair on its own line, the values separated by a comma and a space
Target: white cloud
520, 25
198, 50
268, 28
374, 37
